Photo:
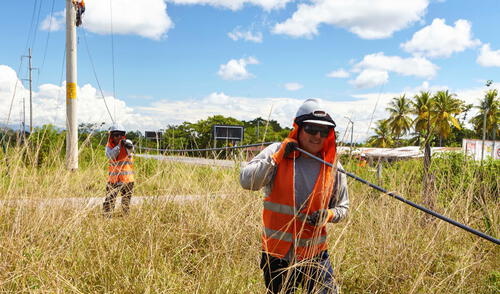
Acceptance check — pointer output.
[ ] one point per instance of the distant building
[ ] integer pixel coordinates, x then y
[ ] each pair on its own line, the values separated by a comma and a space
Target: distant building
474, 148
392, 154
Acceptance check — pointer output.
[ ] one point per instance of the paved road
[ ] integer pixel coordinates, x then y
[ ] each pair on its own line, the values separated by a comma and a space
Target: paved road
194, 160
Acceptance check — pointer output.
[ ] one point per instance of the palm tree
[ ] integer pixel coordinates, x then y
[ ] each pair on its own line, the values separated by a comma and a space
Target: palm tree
421, 107
399, 120
490, 106
445, 107
383, 135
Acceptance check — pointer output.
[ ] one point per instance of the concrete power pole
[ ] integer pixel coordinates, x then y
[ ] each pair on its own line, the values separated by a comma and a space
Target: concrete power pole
71, 80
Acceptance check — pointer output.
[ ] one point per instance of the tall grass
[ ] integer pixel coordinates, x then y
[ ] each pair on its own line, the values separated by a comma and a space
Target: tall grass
212, 245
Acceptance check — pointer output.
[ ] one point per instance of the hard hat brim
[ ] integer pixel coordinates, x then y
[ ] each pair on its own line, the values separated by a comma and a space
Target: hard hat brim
319, 122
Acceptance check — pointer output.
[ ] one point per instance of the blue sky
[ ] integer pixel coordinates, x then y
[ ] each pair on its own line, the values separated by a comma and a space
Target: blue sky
180, 60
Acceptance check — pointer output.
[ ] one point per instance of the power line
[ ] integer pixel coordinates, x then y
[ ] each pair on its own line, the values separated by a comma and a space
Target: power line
46, 41
95, 75
112, 54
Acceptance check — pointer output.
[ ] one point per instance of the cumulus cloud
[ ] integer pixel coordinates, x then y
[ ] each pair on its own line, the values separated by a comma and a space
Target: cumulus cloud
146, 18
369, 78
56, 22
237, 69
488, 57
413, 66
293, 86
340, 73
441, 40
366, 18
236, 4
49, 105
238, 34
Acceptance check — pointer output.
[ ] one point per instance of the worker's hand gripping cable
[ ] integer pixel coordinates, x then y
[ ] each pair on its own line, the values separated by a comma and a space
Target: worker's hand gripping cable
426, 210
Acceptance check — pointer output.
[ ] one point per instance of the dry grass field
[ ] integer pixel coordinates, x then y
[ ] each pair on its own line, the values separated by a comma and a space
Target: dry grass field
211, 245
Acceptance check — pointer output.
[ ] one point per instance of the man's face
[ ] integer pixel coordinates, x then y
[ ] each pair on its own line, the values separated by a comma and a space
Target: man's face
312, 137
116, 137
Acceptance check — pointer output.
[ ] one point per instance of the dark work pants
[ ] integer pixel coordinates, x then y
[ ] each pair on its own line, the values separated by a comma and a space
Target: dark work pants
314, 275
112, 191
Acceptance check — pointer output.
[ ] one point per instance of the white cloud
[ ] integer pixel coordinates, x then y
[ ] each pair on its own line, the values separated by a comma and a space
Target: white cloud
49, 105
237, 69
236, 4
249, 36
293, 86
488, 57
414, 66
369, 78
146, 18
441, 40
340, 73
366, 18
55, 22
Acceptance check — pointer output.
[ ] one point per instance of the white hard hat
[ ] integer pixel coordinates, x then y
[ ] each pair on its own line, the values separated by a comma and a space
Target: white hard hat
117, 129
311, 111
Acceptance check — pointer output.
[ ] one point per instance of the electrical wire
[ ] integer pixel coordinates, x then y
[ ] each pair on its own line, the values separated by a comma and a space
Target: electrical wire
96, 78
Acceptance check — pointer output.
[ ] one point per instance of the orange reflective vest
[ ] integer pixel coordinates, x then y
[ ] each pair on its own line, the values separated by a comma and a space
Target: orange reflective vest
121, 169
284, 225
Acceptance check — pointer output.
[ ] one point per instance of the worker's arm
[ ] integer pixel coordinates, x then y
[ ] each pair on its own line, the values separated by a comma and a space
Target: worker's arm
260, 170
112, 153
339, 202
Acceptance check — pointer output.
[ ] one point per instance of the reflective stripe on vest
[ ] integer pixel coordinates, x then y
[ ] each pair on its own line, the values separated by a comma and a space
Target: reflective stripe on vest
288, 237
119, 163
121, 173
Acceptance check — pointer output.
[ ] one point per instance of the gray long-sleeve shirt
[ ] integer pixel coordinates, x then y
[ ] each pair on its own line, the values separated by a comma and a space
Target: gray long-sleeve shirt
112, 153
260, 171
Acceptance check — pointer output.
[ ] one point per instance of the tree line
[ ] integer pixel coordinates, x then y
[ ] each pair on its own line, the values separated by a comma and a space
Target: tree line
427, 119
436, 119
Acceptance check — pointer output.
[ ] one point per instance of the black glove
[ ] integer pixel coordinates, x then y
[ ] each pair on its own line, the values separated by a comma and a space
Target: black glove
287, 146
290, 147
319, 218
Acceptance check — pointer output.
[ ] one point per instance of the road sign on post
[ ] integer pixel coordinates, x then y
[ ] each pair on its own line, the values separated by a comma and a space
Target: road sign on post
152, 135
228, 133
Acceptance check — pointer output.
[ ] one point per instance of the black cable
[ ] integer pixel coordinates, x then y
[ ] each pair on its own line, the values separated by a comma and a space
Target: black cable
95, 75
206, 149
394, 195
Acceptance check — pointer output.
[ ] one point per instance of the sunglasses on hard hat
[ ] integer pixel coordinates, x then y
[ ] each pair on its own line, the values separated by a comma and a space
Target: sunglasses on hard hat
314, 129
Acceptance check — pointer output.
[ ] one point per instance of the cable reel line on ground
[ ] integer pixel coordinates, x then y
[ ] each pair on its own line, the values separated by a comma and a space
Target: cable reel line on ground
398, 197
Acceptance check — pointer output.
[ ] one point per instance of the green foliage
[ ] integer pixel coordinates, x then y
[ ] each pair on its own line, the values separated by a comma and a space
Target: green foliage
383, 137
489, 106
45, 146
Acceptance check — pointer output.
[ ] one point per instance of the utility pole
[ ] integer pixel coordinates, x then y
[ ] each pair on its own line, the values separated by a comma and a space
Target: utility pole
484, 133
30, 80
71, 80
352, 132
486, 110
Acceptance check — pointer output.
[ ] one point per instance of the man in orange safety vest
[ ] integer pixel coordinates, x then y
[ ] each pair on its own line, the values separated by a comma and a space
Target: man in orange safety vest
302, 196
119, 151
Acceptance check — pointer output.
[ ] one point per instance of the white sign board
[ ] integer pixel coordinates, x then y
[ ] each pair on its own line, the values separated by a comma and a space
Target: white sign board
474, 148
